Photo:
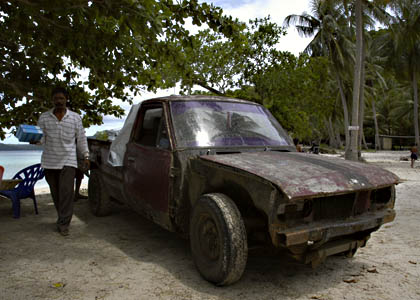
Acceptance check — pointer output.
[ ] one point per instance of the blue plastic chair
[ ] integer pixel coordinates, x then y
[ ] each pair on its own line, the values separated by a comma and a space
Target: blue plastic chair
25, 188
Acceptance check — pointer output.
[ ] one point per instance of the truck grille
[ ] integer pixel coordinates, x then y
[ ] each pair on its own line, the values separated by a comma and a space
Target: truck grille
336, 207
353, 204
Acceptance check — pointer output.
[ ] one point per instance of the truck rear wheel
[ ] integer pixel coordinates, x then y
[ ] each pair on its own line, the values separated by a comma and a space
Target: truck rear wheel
218, 239
99, 201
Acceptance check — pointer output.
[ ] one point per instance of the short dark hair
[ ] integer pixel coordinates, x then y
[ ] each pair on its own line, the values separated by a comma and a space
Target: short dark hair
58, 90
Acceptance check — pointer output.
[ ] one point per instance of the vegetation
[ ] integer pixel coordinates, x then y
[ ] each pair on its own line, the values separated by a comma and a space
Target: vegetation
376, 58
350, 73
100, 49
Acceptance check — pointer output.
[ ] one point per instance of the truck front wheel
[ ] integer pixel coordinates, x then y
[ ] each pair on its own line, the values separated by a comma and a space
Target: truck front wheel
99, 201
218, 239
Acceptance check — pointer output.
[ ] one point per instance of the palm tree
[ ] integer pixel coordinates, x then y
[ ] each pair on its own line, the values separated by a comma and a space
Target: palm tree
352, 151
393, 106
405, 36
363, 10
375, 80
328, 26
333, 34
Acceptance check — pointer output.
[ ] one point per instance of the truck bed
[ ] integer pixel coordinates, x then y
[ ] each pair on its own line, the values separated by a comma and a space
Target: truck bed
113, 176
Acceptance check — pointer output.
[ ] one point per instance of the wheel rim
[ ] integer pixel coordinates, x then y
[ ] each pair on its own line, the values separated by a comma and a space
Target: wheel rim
209, 238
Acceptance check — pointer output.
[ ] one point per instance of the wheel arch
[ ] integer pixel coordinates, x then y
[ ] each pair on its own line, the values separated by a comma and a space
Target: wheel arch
251, 194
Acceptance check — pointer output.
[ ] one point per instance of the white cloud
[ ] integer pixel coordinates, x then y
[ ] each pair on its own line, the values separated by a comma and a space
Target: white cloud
278, 11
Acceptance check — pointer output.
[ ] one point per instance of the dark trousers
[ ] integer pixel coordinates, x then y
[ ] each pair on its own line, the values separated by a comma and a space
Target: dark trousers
61, 182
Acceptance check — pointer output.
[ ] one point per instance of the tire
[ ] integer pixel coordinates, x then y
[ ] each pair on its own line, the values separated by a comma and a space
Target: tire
99, 200
218, 239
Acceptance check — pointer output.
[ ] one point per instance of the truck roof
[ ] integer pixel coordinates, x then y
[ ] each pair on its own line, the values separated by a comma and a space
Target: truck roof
199, 98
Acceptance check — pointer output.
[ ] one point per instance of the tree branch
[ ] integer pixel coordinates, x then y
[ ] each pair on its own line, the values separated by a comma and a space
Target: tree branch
207, 87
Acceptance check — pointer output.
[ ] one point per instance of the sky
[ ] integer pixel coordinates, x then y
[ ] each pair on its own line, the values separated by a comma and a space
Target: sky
244, 10
278, 10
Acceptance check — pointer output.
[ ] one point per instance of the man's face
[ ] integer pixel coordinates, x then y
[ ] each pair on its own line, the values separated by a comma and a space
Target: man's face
59, 100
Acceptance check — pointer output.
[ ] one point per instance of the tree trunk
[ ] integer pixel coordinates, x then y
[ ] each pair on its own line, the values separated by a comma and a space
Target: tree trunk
361, 120
364, 141
336, 144
332, 141
362, 98
375, 120
338, 138
416, 107
345, 111
352, 151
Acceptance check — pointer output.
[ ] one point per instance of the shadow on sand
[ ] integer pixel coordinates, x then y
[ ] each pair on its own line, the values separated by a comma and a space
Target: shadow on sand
127, 238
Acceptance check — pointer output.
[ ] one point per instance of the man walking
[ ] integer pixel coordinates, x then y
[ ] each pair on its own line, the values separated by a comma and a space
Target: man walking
61, 127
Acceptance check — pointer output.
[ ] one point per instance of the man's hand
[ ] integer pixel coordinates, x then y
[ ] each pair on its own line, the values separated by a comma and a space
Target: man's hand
85, 165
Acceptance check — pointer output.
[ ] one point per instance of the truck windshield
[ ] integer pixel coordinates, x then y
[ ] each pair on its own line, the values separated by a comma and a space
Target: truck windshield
220, 124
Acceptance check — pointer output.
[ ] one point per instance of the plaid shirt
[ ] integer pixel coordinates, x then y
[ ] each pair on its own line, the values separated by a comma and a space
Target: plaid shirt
59, 139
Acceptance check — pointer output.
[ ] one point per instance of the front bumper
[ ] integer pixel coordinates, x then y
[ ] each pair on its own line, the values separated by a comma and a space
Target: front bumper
321, 232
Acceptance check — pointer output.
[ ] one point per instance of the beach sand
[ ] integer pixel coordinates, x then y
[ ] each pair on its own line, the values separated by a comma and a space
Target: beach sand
124, 256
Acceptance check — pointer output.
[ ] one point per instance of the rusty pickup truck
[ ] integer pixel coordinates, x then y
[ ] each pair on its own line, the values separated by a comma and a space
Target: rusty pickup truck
224, 173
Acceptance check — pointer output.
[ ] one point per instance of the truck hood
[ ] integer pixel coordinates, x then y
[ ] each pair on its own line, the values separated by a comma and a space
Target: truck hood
301, 175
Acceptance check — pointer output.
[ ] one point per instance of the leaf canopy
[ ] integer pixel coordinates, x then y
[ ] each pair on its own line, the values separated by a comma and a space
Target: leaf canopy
100, 50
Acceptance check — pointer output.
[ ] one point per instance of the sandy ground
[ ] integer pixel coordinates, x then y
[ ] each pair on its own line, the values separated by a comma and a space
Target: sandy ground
127, 257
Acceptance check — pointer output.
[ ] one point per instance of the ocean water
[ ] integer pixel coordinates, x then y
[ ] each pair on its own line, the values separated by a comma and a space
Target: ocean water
14, 161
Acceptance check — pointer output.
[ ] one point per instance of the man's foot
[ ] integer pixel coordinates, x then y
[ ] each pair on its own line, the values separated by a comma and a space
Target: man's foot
79, 196
64, 231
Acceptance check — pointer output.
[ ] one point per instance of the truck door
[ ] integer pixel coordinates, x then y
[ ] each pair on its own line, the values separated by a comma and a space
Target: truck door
147, 164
